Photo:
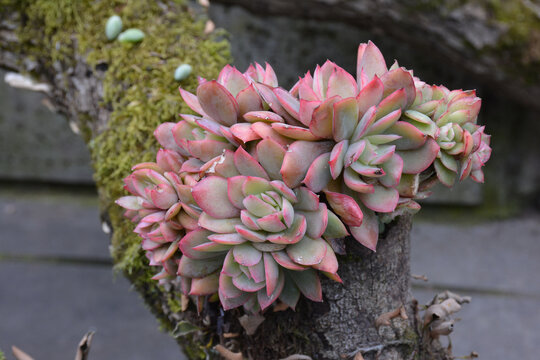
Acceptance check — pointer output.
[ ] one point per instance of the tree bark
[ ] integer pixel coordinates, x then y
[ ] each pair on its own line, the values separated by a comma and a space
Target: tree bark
340, 327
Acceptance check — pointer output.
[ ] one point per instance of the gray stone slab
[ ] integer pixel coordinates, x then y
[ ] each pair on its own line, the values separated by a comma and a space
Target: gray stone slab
497, 327
467, 192
500, 255
51, 224
37, 144
46, 309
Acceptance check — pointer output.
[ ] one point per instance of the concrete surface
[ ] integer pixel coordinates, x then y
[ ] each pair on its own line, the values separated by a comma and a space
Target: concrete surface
37, 144
498, 264
57, 282
46, 309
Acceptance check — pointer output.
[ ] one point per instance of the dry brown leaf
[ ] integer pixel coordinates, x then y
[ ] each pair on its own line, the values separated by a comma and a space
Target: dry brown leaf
403, 313
384, 319
441, 311
230, 335
250, 323
440, 327
281, 306
228, 354
420, 277
19, 354
184, 302
358, 356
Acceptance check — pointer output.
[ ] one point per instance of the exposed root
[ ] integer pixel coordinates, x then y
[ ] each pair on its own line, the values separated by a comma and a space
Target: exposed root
228, 354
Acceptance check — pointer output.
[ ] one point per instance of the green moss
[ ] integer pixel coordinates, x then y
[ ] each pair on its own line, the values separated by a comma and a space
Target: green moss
174, 304
139, 89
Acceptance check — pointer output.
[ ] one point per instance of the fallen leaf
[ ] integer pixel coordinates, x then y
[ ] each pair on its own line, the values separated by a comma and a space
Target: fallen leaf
281, 306
250, 323
228, 354
384, 319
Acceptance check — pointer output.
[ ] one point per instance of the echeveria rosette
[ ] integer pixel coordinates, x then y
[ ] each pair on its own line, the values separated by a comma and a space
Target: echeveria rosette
269, 239
163, 208
463, 143
353, 133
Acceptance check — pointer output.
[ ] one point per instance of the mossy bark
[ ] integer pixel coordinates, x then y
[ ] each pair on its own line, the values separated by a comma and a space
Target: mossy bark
115, 95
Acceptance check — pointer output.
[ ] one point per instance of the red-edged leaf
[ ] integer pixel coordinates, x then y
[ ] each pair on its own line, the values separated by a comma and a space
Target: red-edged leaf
341, 83
289, 102
382, 199
368, 233
345, 119
337, 157
321, 123
306, 110
192, 101
248, 100
192, 268
266, 299
295, 132
218, 103
266, 116
244, 132
345, 207
411, 137
355, 182
309, 284
318, 174
298, 159
399, 79
211, 195
271, 271
416, 161
370, 95
291, 235
205, 286
284, 260
372, 62
246, 255
247, 165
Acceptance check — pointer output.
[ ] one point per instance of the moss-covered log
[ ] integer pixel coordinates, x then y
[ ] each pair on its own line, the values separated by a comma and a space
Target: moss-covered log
115, 95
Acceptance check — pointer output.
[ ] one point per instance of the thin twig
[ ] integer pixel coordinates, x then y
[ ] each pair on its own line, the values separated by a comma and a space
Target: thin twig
228, 354
375, 347
84, 346
19, 354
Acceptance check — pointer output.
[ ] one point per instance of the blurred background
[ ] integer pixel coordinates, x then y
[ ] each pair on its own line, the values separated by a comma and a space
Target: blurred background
57, 280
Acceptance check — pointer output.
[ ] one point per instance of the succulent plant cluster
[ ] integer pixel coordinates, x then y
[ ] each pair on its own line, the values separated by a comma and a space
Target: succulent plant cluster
246, 198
